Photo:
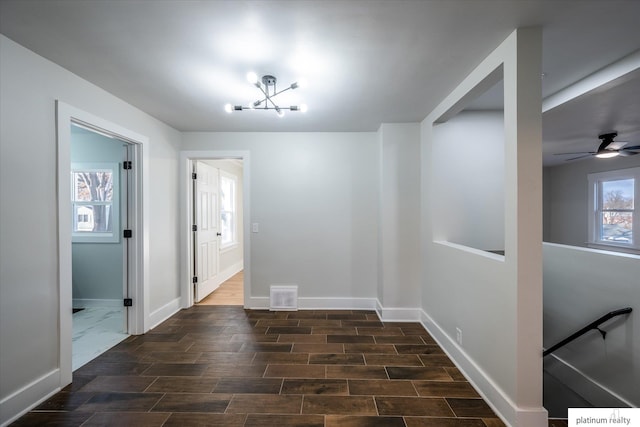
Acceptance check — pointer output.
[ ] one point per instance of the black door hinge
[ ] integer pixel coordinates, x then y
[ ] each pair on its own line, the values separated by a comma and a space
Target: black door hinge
128, 302
194, 228
194, 176
127, 234
126, 165
195, 279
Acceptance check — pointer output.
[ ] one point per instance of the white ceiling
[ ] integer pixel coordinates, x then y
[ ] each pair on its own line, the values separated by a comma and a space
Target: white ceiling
366, 62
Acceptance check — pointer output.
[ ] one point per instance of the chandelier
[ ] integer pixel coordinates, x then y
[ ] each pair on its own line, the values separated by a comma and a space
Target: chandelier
267, 86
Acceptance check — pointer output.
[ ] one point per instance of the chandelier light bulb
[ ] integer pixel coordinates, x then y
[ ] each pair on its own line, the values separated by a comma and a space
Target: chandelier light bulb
279, 112
301, 83
252, 77
304, 108
228, 108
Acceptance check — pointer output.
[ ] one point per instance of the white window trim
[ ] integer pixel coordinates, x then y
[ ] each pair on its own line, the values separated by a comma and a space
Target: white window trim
94, 237
594, 179
234, 242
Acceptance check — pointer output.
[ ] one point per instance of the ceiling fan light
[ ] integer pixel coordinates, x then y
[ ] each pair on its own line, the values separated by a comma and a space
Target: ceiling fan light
606, 154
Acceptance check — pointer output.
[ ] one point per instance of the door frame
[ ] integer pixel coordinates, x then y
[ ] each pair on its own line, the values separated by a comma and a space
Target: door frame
187, 159
138, 314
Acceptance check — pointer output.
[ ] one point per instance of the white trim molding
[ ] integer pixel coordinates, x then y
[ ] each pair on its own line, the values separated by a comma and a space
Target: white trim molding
262, 303
166, 311
28, 397
91, 302
230, 271
397, 314
583, 385
491, 392
138, 316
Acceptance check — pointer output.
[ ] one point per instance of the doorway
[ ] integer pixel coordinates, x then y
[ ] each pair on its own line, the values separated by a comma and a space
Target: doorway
225, 271
99, 212
96, 224
217, 225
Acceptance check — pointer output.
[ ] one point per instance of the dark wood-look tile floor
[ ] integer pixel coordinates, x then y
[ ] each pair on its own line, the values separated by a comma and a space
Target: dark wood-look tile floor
226, 366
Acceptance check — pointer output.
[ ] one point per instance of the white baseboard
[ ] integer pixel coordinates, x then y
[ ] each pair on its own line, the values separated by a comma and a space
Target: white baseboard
229, 272
164, 312
28, 397
496, 398
262, 303
394, 314
583, 385
88, 302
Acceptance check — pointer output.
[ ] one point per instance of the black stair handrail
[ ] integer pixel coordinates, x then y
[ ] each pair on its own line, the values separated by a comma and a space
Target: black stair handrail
590, 326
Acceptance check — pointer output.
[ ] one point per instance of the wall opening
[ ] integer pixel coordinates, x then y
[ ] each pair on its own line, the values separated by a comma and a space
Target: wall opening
469, 167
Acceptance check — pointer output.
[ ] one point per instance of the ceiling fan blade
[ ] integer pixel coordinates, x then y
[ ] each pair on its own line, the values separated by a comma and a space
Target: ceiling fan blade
616, 145
579, 152
627, 153
635, 147
579, 157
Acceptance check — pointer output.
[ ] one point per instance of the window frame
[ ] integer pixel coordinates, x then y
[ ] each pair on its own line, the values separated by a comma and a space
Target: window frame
234, 212
595, 209
91, 236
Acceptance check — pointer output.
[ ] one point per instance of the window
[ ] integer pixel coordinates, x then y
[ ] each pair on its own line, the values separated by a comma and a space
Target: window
613, 220
228, 215
94, 202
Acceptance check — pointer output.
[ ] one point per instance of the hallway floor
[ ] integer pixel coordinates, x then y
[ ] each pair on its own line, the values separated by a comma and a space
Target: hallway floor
231, 292
226, 366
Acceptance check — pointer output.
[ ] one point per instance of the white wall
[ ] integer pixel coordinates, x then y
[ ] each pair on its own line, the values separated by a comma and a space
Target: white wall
314, 196
566, 194
468, 202
399, 236
29, 338
580, 285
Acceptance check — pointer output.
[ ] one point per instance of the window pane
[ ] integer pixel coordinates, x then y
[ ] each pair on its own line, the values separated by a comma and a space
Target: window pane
227, 227
226, 193
92, 218
617, 194
92, 186
617, 227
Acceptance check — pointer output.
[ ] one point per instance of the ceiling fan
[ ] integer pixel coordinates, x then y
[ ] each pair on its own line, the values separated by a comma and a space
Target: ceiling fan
608, 148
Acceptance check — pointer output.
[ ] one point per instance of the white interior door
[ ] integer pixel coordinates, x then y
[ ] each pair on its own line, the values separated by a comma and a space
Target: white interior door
207, 234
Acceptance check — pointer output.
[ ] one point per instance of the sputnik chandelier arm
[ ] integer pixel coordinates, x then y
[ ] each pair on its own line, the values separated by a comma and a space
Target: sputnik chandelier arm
269, 91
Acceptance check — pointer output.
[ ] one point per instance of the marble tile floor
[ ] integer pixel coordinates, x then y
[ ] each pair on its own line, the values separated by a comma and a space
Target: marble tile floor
95, 330
227, 366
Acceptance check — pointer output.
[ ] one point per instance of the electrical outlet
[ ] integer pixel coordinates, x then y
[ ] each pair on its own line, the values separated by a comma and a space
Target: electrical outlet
459, 335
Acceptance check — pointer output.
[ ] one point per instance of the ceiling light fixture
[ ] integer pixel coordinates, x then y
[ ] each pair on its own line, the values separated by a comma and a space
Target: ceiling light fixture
606, 154
269, 91
606, 150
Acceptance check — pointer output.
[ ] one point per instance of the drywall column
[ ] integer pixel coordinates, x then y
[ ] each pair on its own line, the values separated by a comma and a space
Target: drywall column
399, 223
523, 120
495, 302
